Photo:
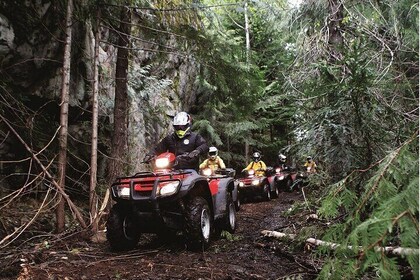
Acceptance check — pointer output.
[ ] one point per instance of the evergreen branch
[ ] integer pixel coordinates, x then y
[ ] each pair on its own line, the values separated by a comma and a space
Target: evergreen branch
415, 221
354, 171
382, 237
180, 8
382, 174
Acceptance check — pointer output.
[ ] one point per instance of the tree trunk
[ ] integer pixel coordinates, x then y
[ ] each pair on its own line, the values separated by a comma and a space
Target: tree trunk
335, 41
94, 149
62, 154
248, 49
119, 139
400, 251
247, 40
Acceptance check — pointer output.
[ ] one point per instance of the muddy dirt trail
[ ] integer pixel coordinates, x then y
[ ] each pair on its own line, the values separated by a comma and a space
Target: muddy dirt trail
243, 255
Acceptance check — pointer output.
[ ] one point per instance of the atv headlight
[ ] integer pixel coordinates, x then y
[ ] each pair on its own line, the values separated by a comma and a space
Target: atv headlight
123, 192
207, 172
255, 182
162, 163
168, 188
281, 178
278, 170
241, 184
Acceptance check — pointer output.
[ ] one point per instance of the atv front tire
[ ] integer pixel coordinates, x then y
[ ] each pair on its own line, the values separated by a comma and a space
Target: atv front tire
289, 184
267, 192
276, 192
198, 223
238, 203
121, 232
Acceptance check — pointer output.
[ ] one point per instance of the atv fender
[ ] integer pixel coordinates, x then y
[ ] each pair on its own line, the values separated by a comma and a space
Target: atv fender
226, 185
235, 190
196, 185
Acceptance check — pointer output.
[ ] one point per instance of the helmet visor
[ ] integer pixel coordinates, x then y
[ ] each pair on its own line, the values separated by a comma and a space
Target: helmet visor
181, 127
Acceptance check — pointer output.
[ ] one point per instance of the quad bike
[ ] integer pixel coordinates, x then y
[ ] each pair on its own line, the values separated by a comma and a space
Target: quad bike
167, 200
299, 179
281, 179
252, 185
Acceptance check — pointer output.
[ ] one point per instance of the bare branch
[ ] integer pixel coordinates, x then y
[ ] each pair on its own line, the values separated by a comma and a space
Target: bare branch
73, 207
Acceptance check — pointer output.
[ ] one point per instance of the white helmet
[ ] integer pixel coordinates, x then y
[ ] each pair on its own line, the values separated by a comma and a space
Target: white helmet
256, 156
282, 158
182, 123
182, 118
213, 152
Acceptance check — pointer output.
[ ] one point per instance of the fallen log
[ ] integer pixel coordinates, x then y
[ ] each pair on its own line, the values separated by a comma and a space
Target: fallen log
276, 234
400, 251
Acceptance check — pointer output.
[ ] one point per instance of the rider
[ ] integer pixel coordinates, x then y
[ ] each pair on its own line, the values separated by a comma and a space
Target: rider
213, 161
257, 164
282, 162
310, 165
185, 144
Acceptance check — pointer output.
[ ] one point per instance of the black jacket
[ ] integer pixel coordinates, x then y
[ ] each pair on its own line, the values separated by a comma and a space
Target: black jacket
180, 146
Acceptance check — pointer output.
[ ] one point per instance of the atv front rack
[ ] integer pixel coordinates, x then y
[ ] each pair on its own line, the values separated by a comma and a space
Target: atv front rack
143, 185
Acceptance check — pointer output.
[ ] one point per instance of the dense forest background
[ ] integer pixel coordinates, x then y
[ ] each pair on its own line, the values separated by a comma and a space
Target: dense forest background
87, 87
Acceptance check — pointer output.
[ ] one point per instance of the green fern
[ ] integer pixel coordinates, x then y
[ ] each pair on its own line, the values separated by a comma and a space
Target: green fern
386, 214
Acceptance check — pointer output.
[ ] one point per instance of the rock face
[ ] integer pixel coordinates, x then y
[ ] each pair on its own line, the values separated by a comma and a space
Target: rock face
7, 36
31, 54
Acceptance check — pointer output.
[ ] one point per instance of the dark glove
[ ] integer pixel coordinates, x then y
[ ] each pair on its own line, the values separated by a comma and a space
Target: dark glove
148, 158
194, 154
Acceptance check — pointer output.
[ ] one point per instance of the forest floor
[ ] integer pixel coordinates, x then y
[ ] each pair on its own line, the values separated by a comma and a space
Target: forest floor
244, 255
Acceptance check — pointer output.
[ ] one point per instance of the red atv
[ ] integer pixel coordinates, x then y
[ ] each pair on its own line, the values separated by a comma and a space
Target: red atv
281, 178
253, 185
167, 201
300, 179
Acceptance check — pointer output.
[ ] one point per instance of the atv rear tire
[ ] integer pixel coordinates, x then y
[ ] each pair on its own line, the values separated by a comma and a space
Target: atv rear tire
198, 223
121, 232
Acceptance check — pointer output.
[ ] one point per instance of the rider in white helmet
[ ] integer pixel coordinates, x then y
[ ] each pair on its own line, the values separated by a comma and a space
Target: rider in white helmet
257, 164
282, 159
182, 142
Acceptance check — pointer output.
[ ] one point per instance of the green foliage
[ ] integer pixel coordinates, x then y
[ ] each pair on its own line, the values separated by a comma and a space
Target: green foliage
342, 93
205, 128
240, 96
386, 214
229, 236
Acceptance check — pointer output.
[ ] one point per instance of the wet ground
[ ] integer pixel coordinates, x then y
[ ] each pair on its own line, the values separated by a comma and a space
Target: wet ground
243, 255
